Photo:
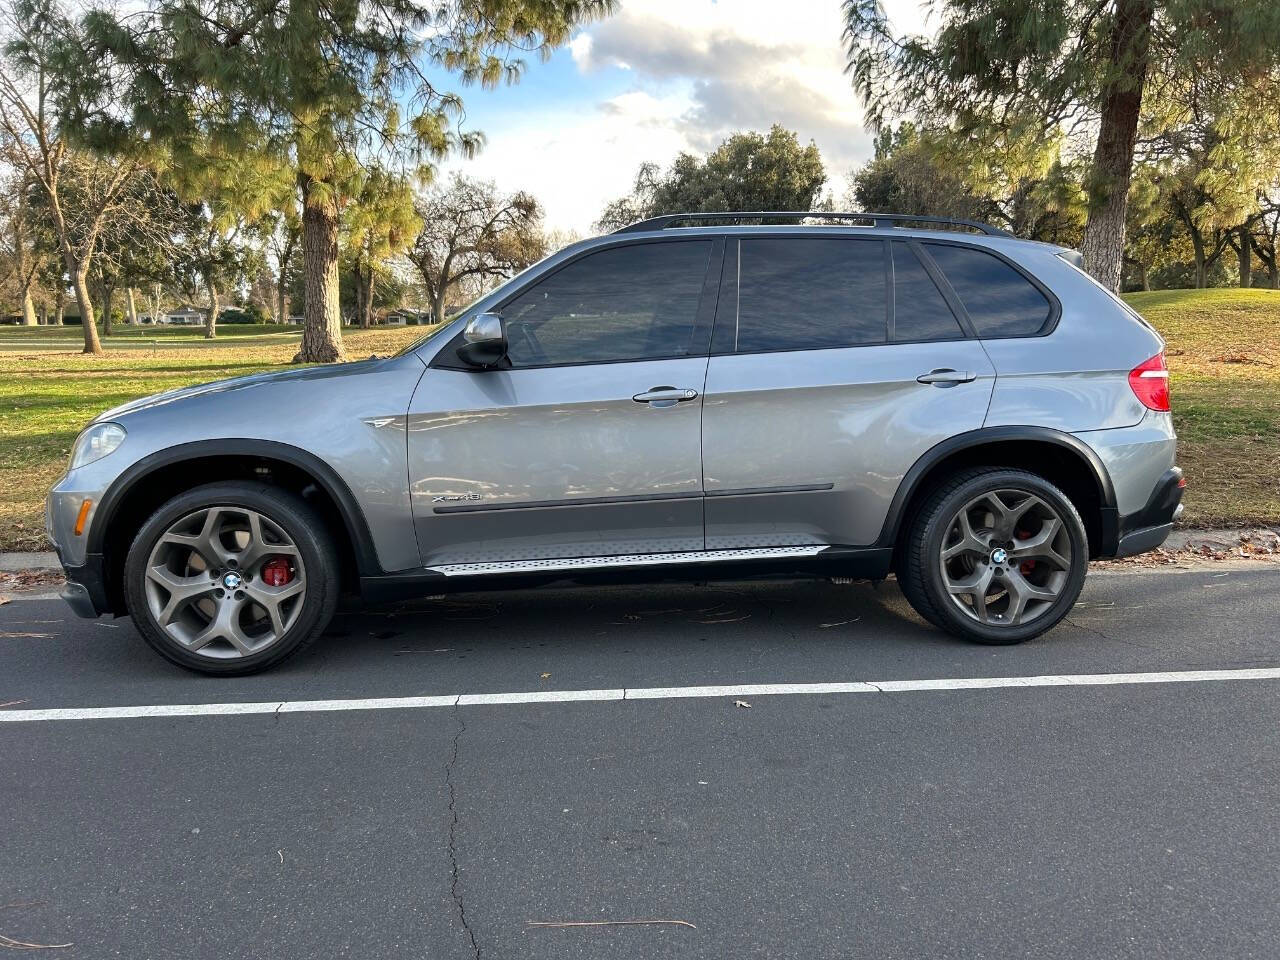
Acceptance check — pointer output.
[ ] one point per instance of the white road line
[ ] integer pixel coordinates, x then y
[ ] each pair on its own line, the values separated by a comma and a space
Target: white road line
639, 693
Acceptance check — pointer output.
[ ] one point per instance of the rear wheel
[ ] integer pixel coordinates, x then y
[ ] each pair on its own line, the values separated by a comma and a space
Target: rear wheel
231, 578
995, 555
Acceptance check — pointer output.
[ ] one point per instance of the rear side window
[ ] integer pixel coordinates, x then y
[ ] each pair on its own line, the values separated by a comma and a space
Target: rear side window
627, 303
1000, 300
800, 293
920, 312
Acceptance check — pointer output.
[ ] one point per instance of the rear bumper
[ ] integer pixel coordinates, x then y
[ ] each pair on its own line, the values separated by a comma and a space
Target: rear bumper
86, 588
1147, 529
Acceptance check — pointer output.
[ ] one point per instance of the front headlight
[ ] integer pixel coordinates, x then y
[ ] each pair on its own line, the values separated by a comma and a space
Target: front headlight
95, 442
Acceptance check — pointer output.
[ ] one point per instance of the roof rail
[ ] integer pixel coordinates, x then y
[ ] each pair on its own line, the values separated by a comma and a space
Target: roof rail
877, 219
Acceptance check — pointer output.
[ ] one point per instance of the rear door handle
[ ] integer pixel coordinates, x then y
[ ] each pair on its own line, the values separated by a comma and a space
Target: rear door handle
665, 396
946, 377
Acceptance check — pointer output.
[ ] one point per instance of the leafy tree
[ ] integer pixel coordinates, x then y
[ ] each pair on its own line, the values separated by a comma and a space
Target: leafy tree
379, 223
748, 171
1024, 187
136, 242
27, 247
315, 88
80, 189
1264, 231
1073, 67
284, 231
471, 232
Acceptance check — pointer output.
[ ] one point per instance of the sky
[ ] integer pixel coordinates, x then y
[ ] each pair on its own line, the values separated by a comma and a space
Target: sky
665, 76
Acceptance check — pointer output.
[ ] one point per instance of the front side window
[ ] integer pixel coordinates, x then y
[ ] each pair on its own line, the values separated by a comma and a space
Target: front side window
1000, 300
800, 293
635, 302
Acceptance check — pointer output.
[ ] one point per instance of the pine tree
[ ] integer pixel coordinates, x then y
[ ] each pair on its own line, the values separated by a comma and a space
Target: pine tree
318, 89
1080, 66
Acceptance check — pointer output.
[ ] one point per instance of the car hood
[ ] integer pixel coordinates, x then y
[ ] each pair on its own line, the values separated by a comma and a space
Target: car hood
250, 382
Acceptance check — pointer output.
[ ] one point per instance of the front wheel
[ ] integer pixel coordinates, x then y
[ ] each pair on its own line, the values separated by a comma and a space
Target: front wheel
231, 578
995, 555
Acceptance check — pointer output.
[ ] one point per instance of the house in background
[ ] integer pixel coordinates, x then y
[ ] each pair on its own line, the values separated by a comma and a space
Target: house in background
407, 316
186, 314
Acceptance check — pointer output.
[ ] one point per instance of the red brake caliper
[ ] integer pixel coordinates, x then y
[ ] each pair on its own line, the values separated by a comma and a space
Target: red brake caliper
276, 572
1027, 565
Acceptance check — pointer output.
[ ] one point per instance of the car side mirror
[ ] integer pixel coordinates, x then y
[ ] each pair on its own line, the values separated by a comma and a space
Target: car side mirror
484, 341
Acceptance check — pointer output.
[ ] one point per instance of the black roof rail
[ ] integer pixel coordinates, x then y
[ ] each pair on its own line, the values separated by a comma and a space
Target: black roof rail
877, 219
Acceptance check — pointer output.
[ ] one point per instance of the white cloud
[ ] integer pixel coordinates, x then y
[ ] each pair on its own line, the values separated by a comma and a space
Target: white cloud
698, 70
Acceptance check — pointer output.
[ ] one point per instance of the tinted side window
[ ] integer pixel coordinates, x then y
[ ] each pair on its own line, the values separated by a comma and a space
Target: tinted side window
797, 293
920, 312
1000, 300
626, 303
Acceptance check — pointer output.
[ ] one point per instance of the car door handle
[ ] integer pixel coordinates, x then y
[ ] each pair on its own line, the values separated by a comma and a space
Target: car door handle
946, 377
665, 396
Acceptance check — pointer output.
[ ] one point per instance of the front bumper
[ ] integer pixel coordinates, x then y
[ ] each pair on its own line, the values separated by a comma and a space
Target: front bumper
1150, 526
86, 588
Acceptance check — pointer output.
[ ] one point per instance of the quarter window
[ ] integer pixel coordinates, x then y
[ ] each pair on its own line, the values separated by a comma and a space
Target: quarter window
920, 312
1000, 300
798, 293
635, 302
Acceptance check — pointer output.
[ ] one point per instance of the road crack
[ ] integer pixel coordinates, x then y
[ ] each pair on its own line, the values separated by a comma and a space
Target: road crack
454, 883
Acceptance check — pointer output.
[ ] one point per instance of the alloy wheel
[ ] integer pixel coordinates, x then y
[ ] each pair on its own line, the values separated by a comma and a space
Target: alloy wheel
225, 582
1005, 558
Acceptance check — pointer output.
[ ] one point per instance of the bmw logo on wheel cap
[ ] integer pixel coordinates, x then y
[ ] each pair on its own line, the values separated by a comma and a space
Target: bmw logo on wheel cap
999, 555
232, 581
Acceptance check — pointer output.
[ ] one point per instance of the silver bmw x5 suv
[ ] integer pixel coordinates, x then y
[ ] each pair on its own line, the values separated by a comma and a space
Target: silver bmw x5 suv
690, 397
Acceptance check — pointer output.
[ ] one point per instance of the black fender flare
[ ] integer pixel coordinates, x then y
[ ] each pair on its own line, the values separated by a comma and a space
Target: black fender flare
910, 483
326, 477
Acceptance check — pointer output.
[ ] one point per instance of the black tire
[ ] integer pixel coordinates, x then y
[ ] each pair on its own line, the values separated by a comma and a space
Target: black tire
291, 514
919, 569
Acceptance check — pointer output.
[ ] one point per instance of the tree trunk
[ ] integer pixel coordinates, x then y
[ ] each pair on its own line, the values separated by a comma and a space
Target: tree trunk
108, 294
358, 275
60, 308
322, 317
133, 308
44, 313
80, 284
1246, 267
28, 309
1104, 232
211, 325
366, 299
1144, 277
282, 301
437, 307
1197, 253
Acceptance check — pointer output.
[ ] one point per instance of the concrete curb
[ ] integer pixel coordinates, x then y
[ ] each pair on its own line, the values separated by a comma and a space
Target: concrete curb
1253, 541
40, 562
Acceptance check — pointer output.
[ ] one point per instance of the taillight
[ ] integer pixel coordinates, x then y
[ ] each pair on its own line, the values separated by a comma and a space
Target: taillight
1149, 381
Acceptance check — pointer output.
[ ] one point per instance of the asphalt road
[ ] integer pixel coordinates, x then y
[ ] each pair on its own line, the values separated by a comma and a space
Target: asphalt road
1129, 820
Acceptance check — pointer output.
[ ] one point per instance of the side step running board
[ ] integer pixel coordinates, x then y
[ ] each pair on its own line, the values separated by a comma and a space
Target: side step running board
552, 564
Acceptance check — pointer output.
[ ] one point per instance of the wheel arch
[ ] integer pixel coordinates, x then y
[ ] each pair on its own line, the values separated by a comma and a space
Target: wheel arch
1065, 460
156, 478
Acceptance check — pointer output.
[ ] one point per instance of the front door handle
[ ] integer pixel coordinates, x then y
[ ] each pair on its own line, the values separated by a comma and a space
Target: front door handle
665, 396
946, 377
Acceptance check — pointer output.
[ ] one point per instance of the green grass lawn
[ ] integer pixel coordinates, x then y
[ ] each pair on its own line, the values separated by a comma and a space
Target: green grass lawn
1224, 350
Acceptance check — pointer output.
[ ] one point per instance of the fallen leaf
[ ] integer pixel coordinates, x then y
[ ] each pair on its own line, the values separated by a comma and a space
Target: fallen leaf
546, 676
13, 944
604, 923
741, 703
839, 623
